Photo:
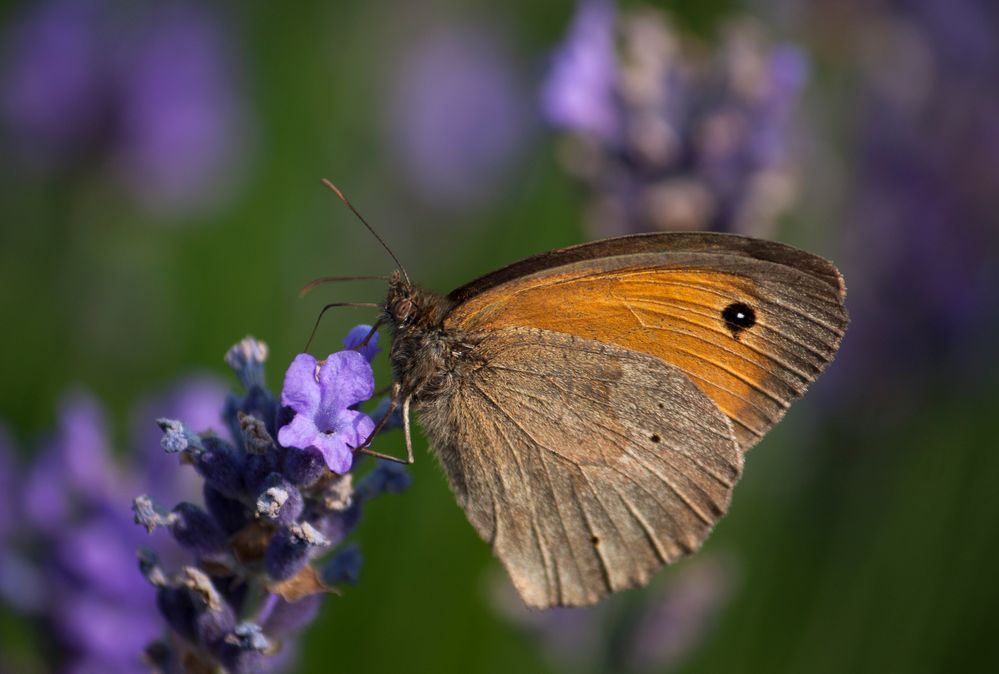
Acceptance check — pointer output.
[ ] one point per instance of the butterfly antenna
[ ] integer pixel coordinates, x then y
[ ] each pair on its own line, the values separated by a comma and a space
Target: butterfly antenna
312, 285
336, 191
335, 305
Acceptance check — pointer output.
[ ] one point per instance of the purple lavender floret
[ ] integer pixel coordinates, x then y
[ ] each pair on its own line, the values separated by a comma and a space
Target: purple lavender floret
663, 136
277, 497
322, 396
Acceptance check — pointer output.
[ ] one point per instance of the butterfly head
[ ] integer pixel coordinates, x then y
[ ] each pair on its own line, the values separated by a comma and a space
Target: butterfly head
401, 303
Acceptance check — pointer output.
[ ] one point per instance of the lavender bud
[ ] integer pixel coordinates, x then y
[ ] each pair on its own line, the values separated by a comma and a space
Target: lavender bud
256, 469
229, 513
177, 606
177, 437
212, 626
304, 467
395, 421
221, 465
345, 567
213, 617
290, 549
279, 501
337, 524
386, 477
149, 566
147, 514
196, 530
231, 409
339, 495
247, 359
259, 403
242, 650
256, 439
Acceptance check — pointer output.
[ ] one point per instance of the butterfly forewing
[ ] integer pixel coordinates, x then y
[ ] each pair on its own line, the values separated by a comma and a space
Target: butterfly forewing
750, 323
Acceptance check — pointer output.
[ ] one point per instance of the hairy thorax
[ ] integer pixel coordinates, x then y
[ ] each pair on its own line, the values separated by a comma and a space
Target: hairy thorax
427, 360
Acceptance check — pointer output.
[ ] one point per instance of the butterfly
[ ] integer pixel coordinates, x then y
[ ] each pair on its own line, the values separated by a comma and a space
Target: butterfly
591, 406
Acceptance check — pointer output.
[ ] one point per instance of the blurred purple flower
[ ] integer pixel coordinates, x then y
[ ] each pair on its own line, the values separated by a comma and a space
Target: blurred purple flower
456, 114
663, 137
676, 619
921, 241
196, 398
70, 559
655, 630
74, 464
153, 92
53, 83
321, 397
181, 120
579, 93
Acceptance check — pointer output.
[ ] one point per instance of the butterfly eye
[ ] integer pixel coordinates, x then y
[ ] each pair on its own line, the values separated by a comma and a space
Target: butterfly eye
739, 317
403, 308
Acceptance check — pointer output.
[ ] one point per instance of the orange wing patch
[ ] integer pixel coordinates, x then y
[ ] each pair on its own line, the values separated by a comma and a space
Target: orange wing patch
676, 314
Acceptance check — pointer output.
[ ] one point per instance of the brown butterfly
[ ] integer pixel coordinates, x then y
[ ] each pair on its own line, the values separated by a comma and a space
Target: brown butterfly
591, 405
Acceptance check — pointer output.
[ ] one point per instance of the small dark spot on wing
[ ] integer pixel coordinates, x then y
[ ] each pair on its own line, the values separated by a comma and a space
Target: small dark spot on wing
655, 438
738, 316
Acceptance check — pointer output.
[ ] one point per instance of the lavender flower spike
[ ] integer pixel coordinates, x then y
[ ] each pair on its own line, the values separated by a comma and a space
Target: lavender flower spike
321, 396
270, 511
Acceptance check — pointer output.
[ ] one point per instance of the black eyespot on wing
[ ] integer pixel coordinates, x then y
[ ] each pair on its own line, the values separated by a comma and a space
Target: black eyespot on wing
739, 317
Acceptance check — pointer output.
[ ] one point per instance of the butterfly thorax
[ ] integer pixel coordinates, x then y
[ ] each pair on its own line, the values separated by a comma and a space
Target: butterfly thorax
426, 358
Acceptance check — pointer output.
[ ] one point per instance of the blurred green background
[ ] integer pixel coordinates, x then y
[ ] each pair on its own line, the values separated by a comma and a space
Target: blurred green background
863, 535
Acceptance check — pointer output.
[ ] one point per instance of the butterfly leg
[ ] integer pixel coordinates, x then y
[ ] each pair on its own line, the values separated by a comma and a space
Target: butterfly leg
393, 404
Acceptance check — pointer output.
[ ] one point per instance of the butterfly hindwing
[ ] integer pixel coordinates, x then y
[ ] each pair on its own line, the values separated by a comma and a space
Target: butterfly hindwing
627, 471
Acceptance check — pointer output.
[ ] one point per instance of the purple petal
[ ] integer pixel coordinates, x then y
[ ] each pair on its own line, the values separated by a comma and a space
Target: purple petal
345, 379
356, 336
354, 427
301, 391
333, 447
301, 432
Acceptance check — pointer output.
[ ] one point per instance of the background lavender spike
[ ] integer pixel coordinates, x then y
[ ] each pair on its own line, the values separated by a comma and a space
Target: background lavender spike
69, 558
656, 630
663, 135
457, 113
155, 93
